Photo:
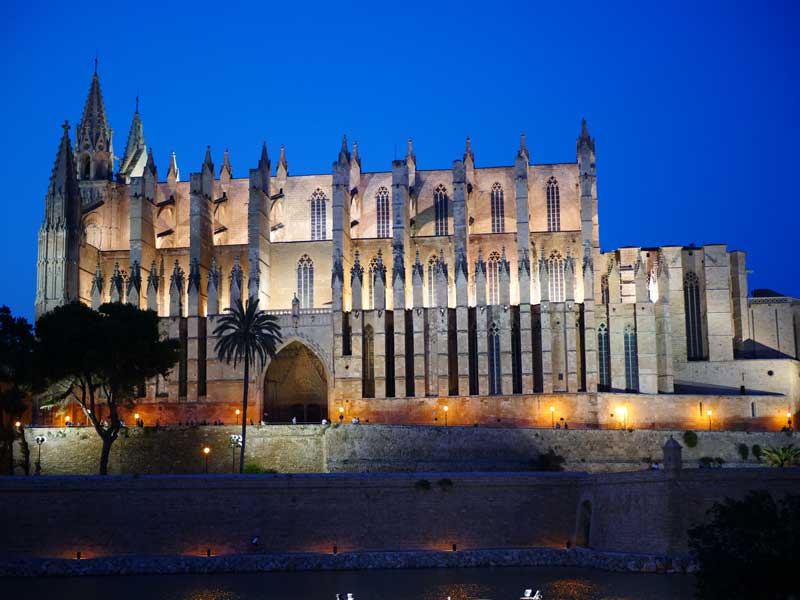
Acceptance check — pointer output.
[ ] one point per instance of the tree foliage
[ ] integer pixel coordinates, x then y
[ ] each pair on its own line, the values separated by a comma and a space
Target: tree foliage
748, 548
785, 456
16, 370
249, 335
99, 359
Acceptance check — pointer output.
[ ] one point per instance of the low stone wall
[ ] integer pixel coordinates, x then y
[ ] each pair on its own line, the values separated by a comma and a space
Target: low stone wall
377, 448
186, 515
407, 559
644, 513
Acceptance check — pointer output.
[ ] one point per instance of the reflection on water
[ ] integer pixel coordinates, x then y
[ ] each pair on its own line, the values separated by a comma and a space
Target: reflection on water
422, 584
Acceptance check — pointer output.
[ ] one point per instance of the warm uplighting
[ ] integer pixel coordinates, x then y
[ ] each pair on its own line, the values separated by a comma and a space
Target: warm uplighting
17, 424
552, 409
238, 412
206, 450
709, 413
341, 409
623, 413
446, 408
136, 416
553, 417
788, 416
67, 419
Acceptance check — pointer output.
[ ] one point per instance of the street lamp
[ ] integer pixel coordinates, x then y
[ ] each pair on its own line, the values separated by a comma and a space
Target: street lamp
17, 424
553, 417
341, 414
236, 442
67, 419
709, 413
206, 452
788, 419
39, 439
446, 408
624, 412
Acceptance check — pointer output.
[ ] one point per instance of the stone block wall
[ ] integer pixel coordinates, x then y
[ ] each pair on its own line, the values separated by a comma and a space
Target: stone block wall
377, 448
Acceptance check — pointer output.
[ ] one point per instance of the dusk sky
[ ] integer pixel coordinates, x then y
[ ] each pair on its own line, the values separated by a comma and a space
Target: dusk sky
694, 108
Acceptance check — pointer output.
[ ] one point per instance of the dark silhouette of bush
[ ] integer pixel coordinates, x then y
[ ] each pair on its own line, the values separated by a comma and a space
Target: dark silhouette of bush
690, 438
548, 461
748, 548
744, 451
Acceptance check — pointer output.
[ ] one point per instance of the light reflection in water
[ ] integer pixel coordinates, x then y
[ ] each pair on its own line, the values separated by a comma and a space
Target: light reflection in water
412, 584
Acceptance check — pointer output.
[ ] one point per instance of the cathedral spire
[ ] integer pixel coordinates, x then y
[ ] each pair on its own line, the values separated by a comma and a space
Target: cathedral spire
226, 172
133, 162
344, 154
585, 141
173, 173
93, 137
264, 158
62, 186
208, 164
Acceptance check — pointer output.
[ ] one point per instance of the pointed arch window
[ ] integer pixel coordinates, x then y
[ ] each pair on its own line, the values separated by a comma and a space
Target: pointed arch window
553, 205
556, 277
305, 282
603, 358
493, 277
373, 265
694, 317
440, 209
631, 360
495, 385
382, 204
318, 201
498, 209
368, 363
432, 281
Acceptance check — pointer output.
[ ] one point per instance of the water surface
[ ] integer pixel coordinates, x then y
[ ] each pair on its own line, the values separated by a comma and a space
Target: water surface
506, 583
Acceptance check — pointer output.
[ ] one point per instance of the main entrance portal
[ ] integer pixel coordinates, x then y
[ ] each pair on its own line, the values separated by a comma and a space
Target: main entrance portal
295, 385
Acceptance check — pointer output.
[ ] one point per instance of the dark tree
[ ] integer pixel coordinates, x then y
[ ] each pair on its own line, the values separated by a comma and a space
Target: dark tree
749, 548
99, 359
246, 334
16, 361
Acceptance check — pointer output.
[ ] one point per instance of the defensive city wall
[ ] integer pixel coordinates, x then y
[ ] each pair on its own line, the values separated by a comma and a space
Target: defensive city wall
378, 448
644, 512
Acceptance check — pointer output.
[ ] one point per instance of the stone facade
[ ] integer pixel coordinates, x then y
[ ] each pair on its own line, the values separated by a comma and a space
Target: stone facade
407, 283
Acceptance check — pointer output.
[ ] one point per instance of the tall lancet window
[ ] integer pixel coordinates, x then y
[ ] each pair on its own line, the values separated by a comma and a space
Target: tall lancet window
373, 265
498, 209
553, 206
432, 281
603, 358
318, 200
382, 203
694, 317
631, 360
368, 364
495, 385
440, 209
493, 277
305, 282
556, 280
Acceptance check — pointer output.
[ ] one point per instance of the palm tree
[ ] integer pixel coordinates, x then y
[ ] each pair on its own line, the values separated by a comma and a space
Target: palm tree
787, 456
246, 334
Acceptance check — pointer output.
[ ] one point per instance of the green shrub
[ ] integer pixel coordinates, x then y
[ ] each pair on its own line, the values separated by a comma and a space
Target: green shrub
423, 485
757, 452
690, 438
445, 484
744, 451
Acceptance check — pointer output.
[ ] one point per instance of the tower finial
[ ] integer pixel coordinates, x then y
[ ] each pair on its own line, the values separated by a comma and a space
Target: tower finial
137, 101
95, 62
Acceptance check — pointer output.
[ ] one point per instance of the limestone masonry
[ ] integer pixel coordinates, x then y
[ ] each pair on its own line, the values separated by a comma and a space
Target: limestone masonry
468, 294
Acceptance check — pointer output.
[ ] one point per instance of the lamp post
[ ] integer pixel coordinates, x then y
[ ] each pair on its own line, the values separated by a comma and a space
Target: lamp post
552, 417
341, 414
709, 413
236, 442
446, 408
789, 419
206, 452
237, 412
40, 439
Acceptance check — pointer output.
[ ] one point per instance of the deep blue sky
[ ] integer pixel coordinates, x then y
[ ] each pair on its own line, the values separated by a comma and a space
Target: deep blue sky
694, 108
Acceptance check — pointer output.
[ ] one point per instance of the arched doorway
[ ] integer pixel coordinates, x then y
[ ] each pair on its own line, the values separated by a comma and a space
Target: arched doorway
295, 385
